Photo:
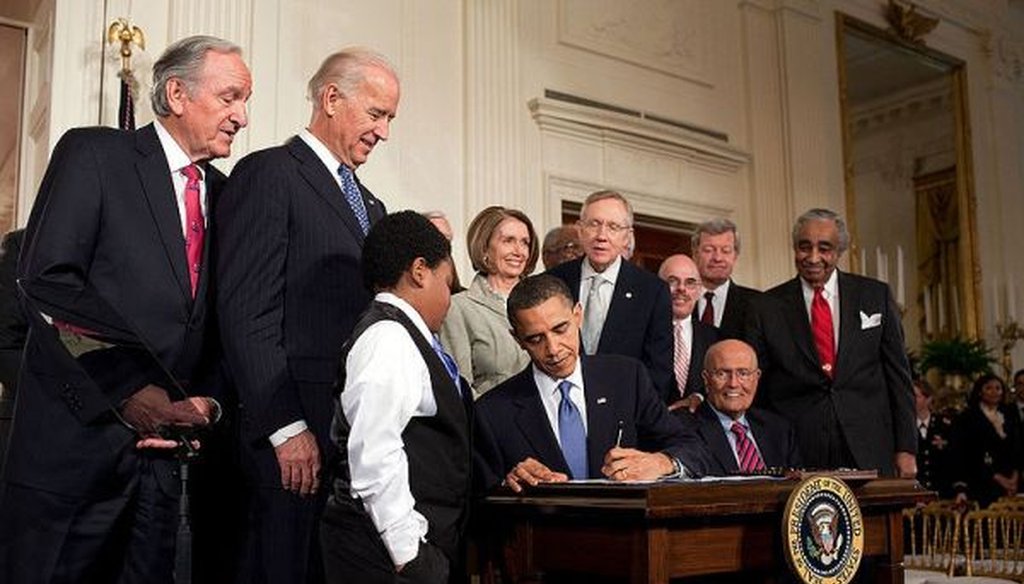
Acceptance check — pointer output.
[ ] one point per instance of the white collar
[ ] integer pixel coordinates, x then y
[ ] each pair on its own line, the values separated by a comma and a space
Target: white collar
321, 152
408, 310
611, 273
177, 159
830, 289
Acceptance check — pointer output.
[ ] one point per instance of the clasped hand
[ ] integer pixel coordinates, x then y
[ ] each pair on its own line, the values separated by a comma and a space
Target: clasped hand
150, 412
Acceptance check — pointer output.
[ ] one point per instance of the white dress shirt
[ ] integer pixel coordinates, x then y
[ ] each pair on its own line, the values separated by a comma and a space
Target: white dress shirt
551, 397
177, 159
611, 274
830, 291
379, 400
721, 294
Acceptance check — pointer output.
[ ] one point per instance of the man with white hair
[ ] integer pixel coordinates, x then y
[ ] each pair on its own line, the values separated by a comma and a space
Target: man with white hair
292, 223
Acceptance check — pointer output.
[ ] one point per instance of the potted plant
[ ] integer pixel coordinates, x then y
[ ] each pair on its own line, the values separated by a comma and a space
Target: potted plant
958, 361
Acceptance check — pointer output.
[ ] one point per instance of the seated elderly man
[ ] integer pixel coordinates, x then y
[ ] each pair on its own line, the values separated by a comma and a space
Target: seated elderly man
737, 437
575, 416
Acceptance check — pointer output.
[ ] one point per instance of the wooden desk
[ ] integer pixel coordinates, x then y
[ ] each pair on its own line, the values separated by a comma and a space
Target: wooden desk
654, 533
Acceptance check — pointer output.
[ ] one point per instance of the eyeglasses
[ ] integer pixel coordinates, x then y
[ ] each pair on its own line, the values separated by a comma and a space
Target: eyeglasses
689, 283
723, 375
594, 227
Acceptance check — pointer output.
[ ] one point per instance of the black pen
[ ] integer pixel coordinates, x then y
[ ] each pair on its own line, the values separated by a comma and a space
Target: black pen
618, 436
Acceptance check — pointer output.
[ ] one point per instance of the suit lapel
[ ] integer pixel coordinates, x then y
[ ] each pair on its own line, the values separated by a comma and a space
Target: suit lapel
714, 437
701, 342
619, 310
769, 447
849, 322
532, 421
602, 425
324, 185
159, 192
796, 314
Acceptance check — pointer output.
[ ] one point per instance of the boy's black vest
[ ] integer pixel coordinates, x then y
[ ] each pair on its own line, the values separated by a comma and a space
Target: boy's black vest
438, 447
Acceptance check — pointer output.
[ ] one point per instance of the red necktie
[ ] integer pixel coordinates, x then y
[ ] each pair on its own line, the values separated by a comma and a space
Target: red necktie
708, 317
195, 230
824, 337
746, 453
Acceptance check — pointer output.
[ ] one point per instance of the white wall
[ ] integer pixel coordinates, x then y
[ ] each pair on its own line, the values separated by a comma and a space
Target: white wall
473, 127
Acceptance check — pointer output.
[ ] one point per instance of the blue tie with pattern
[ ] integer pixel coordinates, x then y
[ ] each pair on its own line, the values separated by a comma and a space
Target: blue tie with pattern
354, 197
572, 434
449, 363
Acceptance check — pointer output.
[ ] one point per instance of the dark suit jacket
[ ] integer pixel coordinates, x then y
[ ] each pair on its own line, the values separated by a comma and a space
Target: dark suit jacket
639, 319
289, 290
703, 337
511, 424
104, 242
979, 453
871, 393
737, 310
775, 440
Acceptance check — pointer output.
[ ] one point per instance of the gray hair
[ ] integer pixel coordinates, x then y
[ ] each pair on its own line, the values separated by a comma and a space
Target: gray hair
822, 215
346, 68
184, 60
601, 196
716, 226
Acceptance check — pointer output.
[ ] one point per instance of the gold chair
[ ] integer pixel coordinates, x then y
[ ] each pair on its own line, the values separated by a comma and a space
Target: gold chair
934, 535
994, 542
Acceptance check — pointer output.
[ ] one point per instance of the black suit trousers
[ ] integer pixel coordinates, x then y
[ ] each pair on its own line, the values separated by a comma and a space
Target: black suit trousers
126, 537
354, 552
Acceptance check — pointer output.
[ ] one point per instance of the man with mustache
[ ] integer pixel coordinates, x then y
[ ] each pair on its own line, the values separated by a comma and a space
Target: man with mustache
691, 337
117, 241
831, 348
292, 223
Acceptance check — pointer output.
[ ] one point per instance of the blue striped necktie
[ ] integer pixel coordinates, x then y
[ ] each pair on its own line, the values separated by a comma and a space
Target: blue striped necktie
354, 197
572, 435
449, 363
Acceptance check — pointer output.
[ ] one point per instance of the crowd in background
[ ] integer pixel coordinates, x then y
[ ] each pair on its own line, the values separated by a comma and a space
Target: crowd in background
336, 370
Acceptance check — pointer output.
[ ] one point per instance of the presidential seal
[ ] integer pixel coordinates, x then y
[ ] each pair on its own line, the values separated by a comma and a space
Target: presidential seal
823, 531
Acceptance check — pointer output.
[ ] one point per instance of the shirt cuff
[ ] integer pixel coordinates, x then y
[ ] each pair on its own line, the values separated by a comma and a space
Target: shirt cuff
403, 539
294, 429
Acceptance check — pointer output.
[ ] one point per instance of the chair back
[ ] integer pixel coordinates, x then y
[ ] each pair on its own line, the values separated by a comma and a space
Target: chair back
994, 542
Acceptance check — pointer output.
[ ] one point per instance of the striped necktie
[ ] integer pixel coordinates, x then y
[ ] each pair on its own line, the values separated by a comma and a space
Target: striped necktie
746, 453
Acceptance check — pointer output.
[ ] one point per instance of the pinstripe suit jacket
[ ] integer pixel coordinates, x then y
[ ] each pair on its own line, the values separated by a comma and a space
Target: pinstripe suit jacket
289, 289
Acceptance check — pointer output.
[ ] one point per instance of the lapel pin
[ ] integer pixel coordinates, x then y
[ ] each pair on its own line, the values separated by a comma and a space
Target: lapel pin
629, 294
601, 400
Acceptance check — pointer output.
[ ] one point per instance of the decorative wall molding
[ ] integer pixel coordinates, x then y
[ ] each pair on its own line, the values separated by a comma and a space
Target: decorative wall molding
637, 134
670, 36
930, 100
1007, 55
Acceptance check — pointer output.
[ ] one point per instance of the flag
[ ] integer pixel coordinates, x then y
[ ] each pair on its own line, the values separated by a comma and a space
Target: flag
126, 105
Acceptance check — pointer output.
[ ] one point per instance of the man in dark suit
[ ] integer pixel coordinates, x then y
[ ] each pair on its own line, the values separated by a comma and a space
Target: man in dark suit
723, 303
292, 223
691, 337
727, 422
831, 348
572, 416
117, 237
626, 310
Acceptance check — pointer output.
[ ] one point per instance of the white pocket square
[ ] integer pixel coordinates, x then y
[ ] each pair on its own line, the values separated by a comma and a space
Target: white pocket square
872, 321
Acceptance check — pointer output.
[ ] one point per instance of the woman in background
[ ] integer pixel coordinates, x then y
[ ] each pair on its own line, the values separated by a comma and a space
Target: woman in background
986, 442
503, 249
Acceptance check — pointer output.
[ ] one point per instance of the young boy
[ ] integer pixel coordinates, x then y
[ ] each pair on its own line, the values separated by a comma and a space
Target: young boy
400, 493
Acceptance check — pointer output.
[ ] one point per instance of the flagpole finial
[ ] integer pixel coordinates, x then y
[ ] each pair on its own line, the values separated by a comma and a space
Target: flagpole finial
120, 30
